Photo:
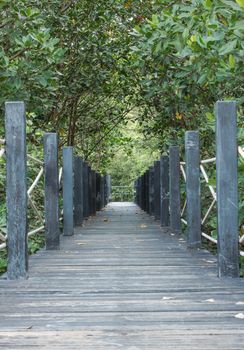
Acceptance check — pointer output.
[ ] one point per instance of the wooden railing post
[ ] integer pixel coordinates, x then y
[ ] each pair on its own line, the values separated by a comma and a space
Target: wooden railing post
16, 190
78, 191
89, 191
193, 189
52, 232
145, 190
151, 190
139, 192
85, 190
68, 190
227, 189
93, 174
98, 194
174, 171
164, 191
108, 187
157, 190
102, 191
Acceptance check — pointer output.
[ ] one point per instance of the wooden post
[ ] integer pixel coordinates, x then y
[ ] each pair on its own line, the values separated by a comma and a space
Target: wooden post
52, 233
145, 191
93, 192
16, 190
68, 188
174, 171
108, 188
151, 191
193, 189
164, 191
139, 192
102, 191
157, 190
85, 190
227, 189
98, 194
89, 191
78, 191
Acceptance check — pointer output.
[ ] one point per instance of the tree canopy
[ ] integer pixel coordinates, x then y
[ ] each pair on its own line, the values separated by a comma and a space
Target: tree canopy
83, 66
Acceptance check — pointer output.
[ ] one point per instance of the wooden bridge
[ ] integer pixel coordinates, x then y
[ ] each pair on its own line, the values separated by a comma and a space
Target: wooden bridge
122, 276
122, 282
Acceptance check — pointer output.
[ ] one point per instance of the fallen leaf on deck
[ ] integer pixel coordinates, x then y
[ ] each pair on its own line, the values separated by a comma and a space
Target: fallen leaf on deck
143, 226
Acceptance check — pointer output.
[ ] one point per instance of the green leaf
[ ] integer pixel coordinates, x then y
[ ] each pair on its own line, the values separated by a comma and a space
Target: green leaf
232, 61
208, 4
227, 48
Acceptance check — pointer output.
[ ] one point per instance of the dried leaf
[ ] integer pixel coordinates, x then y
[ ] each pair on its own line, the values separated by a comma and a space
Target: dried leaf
143, 226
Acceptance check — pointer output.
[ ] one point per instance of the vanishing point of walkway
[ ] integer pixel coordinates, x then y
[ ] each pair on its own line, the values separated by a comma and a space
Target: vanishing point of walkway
124, 283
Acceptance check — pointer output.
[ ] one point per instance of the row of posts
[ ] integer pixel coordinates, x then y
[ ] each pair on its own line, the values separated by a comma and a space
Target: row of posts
84, 191
158, 189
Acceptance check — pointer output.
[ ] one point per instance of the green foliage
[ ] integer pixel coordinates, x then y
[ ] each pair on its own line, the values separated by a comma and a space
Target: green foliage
188, 56
133, 156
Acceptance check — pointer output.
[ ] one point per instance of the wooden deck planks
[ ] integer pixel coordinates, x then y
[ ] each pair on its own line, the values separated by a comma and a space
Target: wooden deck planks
122, 282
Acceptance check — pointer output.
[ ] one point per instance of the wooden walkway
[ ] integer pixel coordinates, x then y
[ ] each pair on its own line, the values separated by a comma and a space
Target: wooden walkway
122, 283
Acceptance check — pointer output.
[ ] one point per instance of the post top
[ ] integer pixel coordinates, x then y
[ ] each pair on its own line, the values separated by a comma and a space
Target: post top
14, 103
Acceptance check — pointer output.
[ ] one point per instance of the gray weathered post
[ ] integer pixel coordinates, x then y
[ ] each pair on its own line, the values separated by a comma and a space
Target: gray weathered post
227, 189
164, 191
93, 192
105, 189
151, 191
108, 187
89, 191
157, 190
16, 189
193, 189
85, 190
78, 191
68, 188
145, 191
174, 180
102, 191
98, 196
52, 233
140, 192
